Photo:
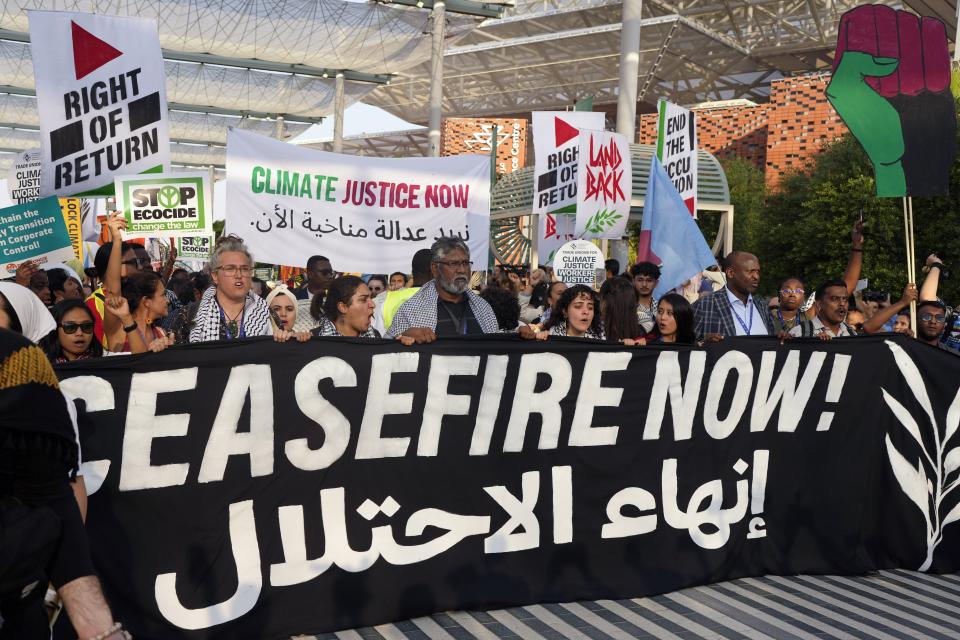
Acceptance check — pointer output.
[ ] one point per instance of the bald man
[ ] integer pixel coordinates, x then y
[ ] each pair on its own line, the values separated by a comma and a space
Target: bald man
733, 310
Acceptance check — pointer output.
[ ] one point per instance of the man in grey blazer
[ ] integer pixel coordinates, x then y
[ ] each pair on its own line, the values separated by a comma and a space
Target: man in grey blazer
733, 310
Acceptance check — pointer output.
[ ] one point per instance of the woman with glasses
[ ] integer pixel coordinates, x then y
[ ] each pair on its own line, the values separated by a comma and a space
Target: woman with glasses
73, 337
228, 310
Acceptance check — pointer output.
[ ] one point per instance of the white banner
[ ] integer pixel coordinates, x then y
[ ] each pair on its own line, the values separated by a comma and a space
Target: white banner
604, 185
579, 262
102, 100
555, 135
170, 205
555, 231
677, 150
367, 215
23, 181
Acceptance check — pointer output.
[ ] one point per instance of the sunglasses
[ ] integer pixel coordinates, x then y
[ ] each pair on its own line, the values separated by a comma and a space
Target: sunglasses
927, 317
70, 328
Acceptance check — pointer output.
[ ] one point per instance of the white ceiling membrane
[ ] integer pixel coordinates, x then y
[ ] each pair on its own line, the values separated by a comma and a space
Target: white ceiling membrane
215, 86
368, 37
21, 111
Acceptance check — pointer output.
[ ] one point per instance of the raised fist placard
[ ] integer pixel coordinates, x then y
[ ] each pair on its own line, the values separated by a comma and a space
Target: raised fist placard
891, 86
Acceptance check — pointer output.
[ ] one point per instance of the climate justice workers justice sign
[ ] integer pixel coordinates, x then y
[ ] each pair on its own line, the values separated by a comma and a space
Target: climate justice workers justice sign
368, 215
102, 100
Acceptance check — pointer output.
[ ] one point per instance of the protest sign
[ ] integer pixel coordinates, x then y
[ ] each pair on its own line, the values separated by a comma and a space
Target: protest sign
365, 214
196, 248
604, 185
555, 143
165, 205
555, 231
71, 209
23, 180
579, 262
234, 487
102, 100
891, 85
33, 231
677, 150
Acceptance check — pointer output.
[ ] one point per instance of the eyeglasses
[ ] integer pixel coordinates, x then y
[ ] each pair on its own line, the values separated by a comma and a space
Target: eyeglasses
456, 264
927, 317
136, 262
786, 292
231, 270
70, 328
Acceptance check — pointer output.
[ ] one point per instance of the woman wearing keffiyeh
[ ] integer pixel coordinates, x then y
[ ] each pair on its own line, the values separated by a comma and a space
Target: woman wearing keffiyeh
228, 310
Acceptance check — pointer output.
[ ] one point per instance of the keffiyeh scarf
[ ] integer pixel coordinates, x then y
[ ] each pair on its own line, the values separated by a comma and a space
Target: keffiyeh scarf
421, 311
208, 323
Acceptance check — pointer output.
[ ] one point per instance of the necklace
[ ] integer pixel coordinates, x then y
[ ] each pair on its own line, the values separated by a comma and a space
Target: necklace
230, 324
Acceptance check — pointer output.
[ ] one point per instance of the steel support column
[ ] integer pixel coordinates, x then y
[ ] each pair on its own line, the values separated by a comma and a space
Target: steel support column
436, 77
338, 114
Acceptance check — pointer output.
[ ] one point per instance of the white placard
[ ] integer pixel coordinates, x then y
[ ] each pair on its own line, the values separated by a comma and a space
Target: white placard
677, 150
102, 100
555, 142
23, 181
367, 215
579, 262
604, 185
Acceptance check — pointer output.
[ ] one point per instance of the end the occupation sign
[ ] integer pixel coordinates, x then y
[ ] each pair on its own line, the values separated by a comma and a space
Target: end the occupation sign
102, 100
263, 490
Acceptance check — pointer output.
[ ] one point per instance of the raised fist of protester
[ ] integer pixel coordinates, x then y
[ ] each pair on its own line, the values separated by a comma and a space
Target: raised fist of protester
118, 306
25, 272
115, 223
857, 235
891, 86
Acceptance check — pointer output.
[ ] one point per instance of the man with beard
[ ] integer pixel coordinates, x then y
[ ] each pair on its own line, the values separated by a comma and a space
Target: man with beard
832, 303
445, 306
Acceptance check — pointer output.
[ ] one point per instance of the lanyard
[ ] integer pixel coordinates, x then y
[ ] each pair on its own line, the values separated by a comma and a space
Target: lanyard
746, 327
783, 323
223, 319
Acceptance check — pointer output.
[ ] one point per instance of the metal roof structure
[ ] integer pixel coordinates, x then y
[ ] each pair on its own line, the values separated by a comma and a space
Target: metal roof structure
248, 63
547, 54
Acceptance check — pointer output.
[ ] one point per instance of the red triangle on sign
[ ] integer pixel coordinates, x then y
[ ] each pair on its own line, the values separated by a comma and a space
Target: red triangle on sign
90, 52
563, 131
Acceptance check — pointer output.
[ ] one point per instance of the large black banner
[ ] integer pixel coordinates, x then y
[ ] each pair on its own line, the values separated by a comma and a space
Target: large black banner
260, 490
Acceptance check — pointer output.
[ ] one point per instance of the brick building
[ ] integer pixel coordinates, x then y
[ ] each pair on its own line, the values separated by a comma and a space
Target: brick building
782, 134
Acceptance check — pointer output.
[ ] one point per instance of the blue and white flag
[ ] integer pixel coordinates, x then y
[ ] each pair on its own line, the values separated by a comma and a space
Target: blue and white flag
668, 235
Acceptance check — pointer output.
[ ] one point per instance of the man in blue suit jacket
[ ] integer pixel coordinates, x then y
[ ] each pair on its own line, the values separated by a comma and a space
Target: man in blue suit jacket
733, 310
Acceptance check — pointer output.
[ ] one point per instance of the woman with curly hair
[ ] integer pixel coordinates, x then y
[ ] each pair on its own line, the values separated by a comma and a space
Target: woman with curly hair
575, 315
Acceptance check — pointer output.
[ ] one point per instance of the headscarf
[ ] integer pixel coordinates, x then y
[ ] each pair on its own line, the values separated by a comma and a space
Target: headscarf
282, 289
35, 320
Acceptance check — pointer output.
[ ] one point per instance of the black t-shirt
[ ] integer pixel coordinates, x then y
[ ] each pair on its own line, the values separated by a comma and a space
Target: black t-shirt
456, 319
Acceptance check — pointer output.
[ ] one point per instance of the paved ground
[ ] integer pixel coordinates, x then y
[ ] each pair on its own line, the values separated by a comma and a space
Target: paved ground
886, 606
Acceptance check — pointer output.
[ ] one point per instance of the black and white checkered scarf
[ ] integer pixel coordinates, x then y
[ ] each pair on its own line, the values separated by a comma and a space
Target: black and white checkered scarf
421, 311
208, 323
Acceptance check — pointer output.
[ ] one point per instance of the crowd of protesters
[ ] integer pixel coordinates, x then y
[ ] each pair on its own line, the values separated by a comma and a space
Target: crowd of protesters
127, 307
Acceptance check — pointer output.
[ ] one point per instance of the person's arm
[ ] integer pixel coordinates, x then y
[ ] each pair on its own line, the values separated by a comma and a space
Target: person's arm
928, 291
88, 609
169, 264
117, 308
855, 263
111, 280
882, 316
